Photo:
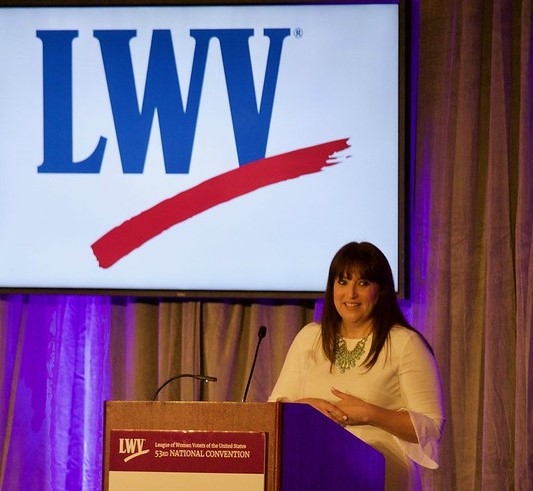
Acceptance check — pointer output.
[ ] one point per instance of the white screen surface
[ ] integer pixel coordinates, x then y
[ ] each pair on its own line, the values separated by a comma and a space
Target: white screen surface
217, 222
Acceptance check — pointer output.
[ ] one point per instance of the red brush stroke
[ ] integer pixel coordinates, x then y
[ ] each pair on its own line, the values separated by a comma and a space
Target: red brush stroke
133, 233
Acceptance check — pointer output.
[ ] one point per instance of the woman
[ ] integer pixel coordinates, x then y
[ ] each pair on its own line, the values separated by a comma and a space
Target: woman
366, 368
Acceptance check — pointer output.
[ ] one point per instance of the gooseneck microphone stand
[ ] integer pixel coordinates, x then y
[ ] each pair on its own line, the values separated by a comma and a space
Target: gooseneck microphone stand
202, 378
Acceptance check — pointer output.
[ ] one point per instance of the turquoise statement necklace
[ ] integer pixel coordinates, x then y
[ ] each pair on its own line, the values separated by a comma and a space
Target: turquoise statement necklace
346, 359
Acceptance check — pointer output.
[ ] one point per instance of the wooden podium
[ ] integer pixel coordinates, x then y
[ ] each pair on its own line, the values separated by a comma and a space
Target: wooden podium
298, 448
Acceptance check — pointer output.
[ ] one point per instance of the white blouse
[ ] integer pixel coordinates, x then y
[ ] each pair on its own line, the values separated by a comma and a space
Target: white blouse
404, 378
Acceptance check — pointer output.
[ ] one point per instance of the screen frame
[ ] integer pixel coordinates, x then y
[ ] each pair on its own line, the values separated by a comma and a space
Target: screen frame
405, 144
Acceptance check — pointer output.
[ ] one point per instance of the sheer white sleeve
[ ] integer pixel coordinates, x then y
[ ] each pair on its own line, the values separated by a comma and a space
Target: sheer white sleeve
422, 394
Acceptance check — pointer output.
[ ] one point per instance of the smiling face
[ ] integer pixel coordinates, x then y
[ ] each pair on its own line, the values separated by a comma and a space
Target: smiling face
355, 298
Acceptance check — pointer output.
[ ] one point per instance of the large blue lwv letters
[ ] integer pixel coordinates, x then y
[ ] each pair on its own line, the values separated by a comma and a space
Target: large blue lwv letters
162, 93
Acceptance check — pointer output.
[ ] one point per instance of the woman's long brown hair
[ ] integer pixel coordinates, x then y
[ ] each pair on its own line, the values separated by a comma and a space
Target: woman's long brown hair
370, 264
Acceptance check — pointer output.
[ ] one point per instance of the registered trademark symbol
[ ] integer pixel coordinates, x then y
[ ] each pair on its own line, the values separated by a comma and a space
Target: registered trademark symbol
298, 32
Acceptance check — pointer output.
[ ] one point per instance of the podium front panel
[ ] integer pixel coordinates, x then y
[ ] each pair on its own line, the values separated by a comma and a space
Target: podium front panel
212, 419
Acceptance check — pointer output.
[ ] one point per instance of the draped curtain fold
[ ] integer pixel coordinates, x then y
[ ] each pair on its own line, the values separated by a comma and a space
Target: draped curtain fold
56, 376
471, 275
473, 204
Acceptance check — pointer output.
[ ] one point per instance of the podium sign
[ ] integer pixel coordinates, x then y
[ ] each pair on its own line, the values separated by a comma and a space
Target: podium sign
145, 460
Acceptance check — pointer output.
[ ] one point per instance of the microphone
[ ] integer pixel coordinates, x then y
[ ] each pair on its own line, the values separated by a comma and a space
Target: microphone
261, 334
202, 378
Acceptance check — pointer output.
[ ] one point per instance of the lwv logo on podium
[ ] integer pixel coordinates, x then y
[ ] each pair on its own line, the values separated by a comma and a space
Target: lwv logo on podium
132, 447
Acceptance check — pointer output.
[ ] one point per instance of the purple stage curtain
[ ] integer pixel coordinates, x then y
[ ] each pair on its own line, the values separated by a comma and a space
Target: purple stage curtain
473, 233
55, 378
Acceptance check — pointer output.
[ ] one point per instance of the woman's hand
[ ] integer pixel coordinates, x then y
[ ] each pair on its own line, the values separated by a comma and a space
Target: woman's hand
329, 409
359, 412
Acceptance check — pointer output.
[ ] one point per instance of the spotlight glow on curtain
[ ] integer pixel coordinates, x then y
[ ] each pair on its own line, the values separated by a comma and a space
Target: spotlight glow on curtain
54, 383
